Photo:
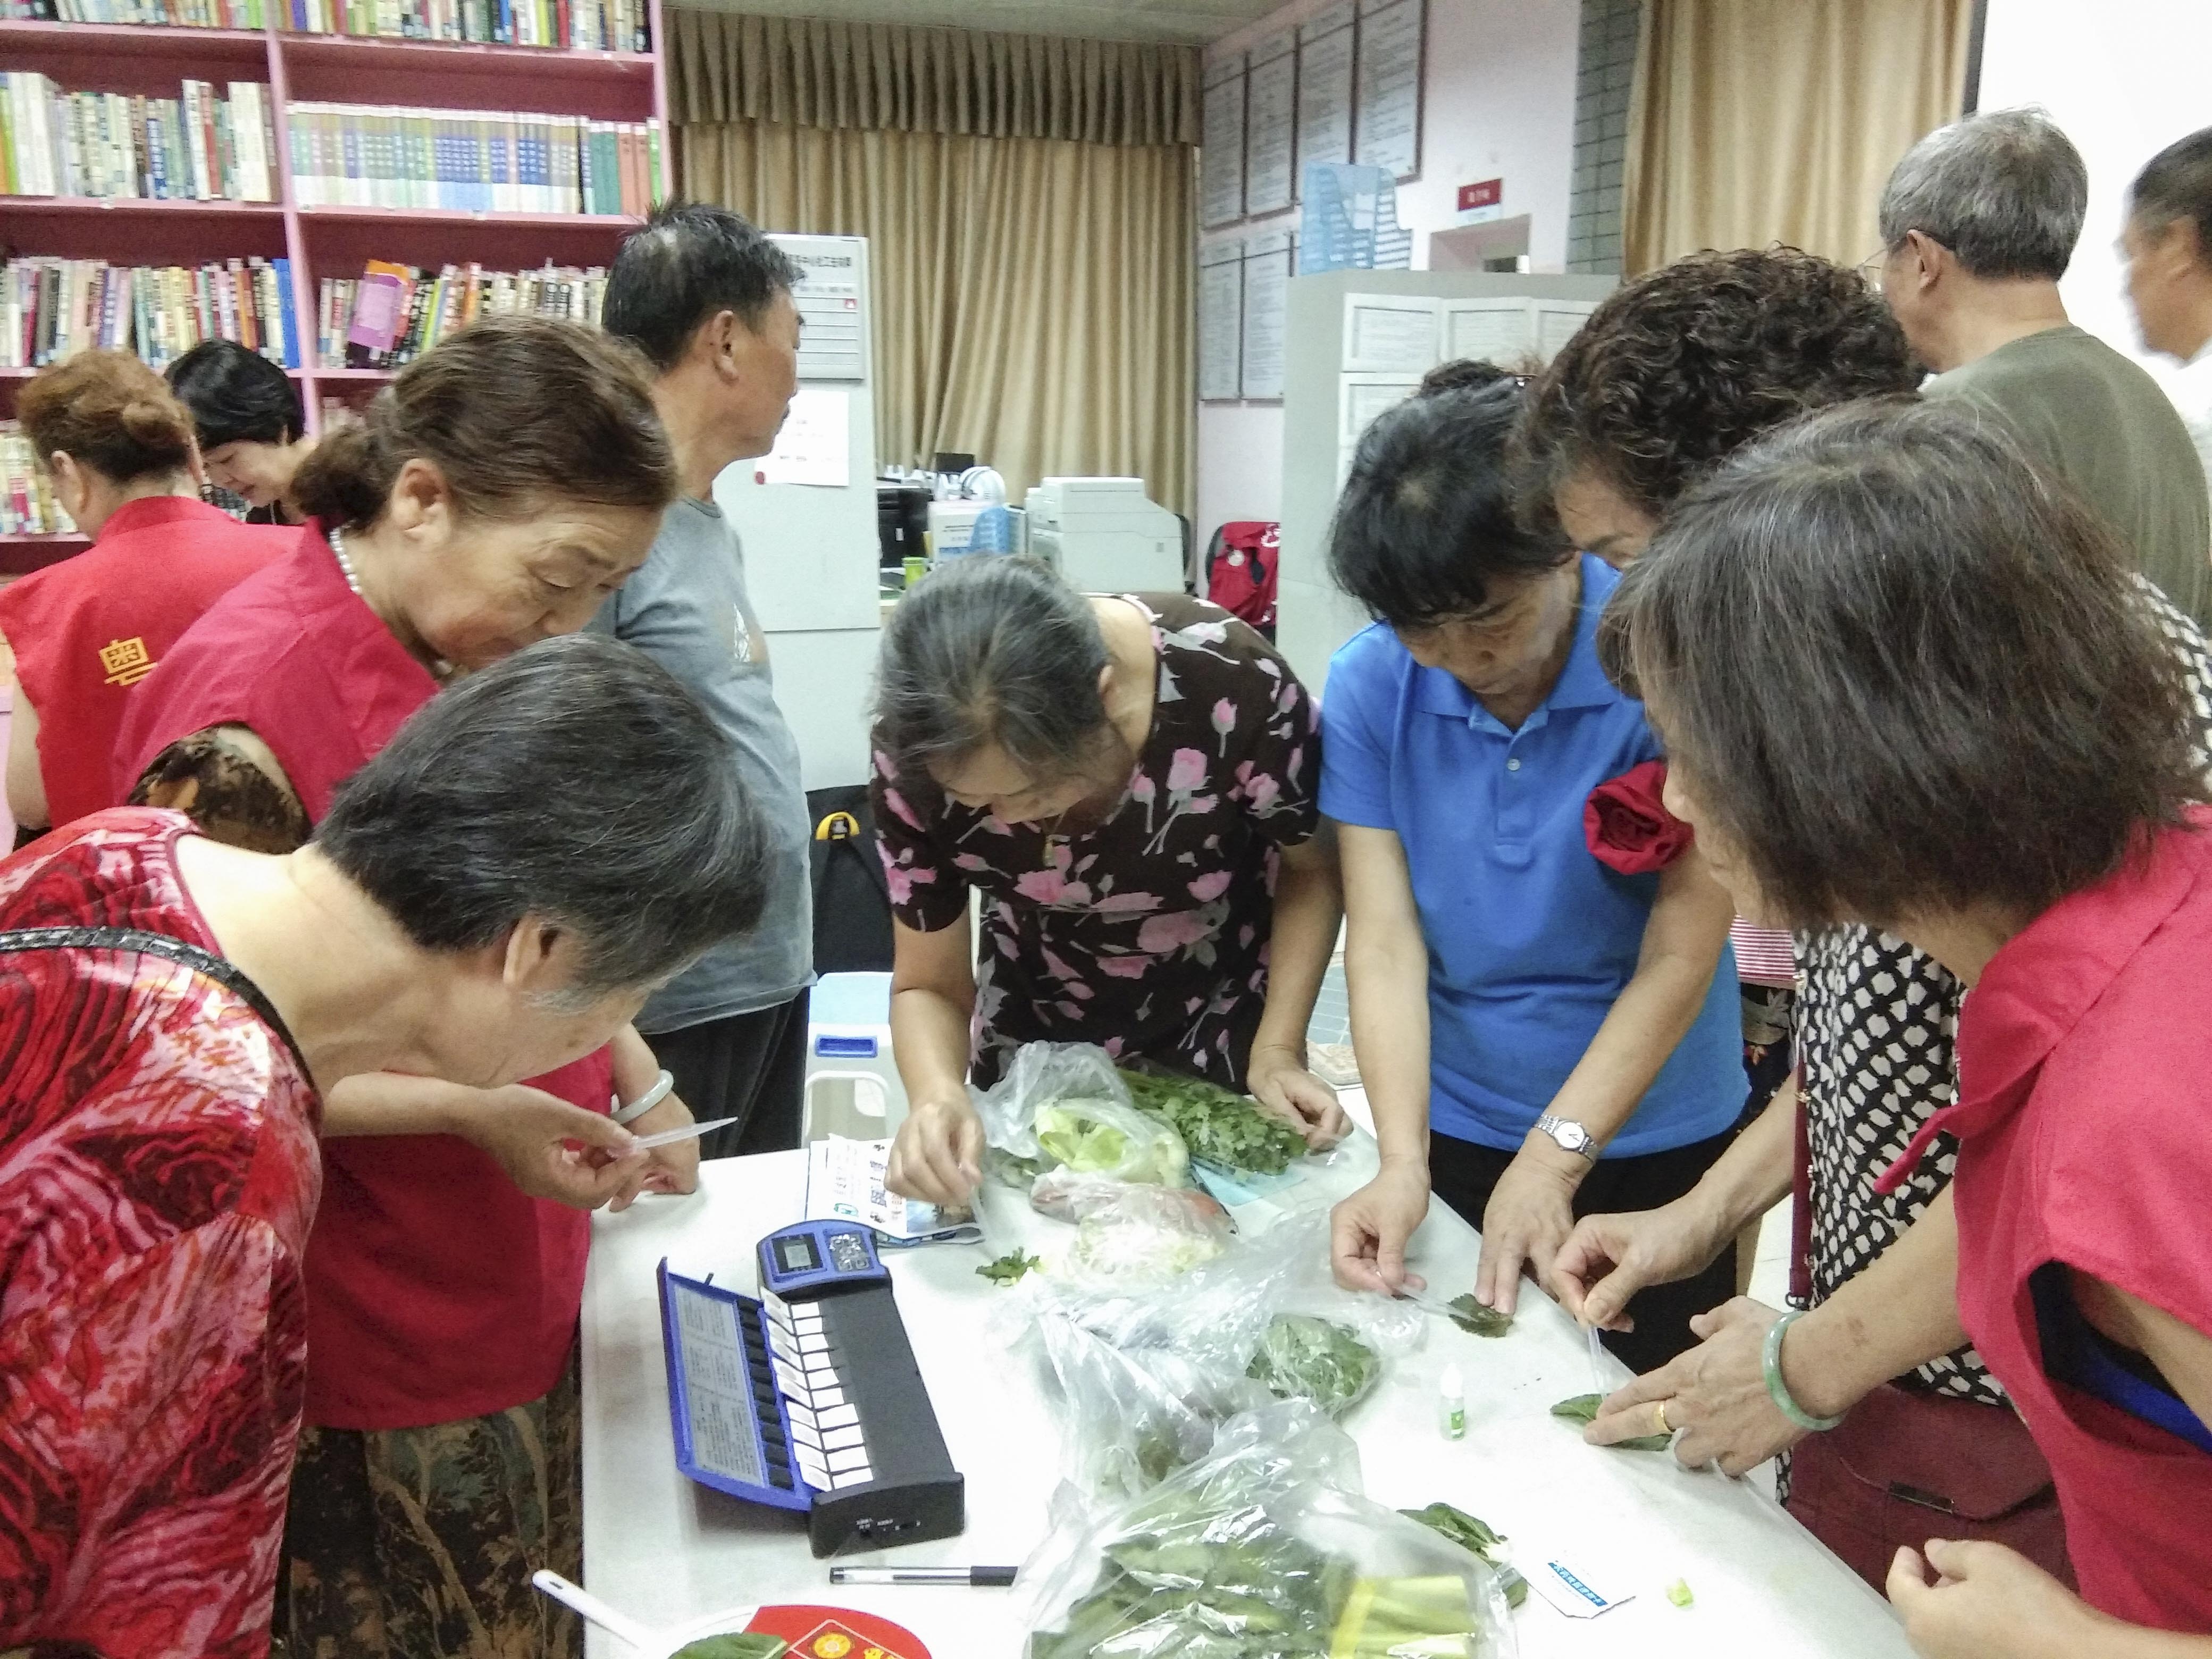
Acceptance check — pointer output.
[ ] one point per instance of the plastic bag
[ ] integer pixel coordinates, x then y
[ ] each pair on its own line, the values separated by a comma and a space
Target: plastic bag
1061, 1105
1131, 1419
1139, 1235
1264, 1549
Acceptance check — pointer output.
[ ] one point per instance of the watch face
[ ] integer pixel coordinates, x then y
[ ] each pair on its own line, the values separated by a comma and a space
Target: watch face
1573, 1137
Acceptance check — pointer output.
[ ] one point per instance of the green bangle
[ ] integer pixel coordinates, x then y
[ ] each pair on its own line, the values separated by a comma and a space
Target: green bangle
1776, 1389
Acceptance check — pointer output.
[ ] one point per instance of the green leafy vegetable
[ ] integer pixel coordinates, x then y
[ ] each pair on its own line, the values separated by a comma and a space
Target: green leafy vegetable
1679, 1593
1582, 1408
1317, 1359
1218, 1127
1009, 1268
1476, 1320
1476, 1538
746, 1646
1388, 1618
1083, 1135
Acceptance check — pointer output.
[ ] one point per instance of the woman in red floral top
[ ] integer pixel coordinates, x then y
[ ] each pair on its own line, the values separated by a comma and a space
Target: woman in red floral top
170, 1009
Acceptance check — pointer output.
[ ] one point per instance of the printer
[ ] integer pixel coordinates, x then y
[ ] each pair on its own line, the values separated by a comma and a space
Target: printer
1102, 535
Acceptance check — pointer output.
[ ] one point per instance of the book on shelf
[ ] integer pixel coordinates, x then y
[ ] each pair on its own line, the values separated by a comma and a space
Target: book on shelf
391, 314
27, 507
474, 161
50, 308
166, 13
196, 147
573, 24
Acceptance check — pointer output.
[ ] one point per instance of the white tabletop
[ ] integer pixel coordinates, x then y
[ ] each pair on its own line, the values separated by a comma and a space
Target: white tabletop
660, 1547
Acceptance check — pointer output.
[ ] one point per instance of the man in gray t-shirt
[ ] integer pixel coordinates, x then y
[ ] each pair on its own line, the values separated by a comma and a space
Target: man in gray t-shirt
708, 299
1978, 222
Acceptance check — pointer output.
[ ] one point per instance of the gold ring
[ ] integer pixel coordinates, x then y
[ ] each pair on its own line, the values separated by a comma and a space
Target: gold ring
1661, 1406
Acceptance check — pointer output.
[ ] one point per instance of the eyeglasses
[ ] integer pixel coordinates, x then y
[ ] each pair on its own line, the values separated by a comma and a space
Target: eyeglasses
1870, 268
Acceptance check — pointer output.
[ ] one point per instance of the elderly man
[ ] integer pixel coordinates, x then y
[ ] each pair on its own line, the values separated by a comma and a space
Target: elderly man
1978, 222
2168, 242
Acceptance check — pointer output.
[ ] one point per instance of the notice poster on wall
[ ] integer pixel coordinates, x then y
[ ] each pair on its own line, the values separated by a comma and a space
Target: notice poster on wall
1390, 333
1386, 104
1221, 139
1501, 331
1266, 297
814, 447
1271, 115
1324, 127
1557, 321
1220, 321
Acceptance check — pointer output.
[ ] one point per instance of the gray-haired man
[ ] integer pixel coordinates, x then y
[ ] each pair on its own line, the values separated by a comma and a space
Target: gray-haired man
1978, 222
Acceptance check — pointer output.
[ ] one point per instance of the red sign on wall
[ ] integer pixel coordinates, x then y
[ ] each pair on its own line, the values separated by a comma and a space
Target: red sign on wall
1487, 193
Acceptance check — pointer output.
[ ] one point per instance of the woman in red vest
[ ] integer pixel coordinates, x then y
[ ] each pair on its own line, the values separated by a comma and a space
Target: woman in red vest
1944, 710
504, 486
119, 449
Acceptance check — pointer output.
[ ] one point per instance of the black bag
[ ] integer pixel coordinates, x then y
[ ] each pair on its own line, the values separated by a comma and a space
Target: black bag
851, 899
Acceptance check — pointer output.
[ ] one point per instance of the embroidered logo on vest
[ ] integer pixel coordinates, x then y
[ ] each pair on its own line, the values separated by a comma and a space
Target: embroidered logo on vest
126, 662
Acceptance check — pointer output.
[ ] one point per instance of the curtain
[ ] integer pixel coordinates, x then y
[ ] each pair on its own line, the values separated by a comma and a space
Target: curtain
1763, 121
1034, 297
894, 77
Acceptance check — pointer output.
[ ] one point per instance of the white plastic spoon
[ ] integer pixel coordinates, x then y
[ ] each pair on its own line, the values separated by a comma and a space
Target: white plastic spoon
643, 1637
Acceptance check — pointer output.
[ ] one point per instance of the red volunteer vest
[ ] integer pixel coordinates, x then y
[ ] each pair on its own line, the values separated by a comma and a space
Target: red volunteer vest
435, 1290
88, 630
2084, 1098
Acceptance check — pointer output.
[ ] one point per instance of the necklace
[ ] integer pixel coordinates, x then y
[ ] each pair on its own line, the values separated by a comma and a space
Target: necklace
345, 564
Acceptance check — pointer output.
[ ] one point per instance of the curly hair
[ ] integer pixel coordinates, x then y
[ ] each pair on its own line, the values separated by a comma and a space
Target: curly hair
1681, 368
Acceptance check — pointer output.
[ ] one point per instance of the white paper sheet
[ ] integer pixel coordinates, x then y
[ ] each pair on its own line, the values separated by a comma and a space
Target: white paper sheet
845, 1182
1387, 118
1500, 331
1271, 108
1221, 144
1325, 43
1557, 320
1220, 321
1390, 333
1266, 294
815, 445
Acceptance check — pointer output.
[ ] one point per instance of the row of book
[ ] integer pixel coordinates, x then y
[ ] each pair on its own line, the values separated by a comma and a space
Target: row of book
578, 25
50, 308
391, 314
27, 507
196, 147
372, 156
169, 14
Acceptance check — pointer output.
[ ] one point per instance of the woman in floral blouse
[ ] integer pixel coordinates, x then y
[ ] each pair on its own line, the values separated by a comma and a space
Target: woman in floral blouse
1129, 782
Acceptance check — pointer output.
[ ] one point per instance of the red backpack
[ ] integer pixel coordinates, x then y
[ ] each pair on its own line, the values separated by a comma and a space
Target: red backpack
1241, 570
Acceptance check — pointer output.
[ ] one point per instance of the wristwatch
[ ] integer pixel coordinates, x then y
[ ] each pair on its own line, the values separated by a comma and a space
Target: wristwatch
1570, 1135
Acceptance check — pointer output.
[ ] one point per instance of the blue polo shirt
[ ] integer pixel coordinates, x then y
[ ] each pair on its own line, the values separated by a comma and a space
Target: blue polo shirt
1530, 938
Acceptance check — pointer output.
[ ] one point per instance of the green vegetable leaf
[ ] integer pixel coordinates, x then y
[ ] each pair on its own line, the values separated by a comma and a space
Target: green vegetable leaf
746, 1646
1315, 1360
1459, 1527
1679, 1593
1582, 1408
1476, 1320
1009, 1268
1219, 1127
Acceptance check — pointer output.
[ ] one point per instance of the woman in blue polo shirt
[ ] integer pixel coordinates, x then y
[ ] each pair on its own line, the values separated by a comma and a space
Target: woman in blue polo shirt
1539, 1034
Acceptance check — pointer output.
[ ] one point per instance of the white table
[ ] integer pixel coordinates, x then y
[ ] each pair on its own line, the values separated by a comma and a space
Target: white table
660, 1547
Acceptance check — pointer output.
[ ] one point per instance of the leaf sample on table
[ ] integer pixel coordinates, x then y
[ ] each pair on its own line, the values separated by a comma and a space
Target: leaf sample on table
1583, 1407
1219, 1127
1475, 1537
1302, 1357
1009, 1268
1476, 1320
743, 1646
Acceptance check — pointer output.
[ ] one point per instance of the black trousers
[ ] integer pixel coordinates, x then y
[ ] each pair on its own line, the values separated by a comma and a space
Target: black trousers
1463, 1174
749, 1067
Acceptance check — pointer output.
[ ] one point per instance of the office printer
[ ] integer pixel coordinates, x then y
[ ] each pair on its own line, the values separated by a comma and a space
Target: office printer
1103, 536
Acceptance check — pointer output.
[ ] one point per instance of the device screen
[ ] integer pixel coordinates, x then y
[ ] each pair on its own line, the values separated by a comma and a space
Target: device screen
796, 1255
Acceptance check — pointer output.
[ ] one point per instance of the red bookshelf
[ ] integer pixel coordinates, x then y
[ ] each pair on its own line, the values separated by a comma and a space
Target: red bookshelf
320, 241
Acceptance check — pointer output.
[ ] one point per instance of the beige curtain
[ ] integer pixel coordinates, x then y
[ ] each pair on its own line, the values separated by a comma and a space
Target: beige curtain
1033, 298
1762, 121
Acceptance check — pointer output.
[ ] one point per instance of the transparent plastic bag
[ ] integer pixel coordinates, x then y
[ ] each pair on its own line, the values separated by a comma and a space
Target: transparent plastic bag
1062, 1105
1132, 1419
1128, 1235
1263, 1549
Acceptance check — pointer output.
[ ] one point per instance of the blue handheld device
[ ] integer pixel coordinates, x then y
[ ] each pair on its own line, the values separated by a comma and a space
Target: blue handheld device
818, 1258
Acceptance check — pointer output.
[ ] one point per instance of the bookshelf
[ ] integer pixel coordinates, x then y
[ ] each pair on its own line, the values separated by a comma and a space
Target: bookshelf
317, 240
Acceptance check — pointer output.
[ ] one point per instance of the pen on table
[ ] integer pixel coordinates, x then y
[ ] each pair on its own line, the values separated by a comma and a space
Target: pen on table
998, 1576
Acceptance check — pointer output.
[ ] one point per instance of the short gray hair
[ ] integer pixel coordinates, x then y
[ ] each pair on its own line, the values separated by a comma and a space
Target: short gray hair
2005, 192
577, 781
993, 650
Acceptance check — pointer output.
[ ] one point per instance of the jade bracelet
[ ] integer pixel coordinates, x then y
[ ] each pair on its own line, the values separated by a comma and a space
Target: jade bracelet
1776, 1389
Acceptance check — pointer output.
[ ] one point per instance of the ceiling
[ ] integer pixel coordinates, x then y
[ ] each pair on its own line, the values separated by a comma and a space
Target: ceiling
1192, 21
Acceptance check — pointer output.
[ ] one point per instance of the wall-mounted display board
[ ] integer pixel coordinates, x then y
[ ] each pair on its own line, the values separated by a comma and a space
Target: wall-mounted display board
1220, 321
1221, 138
1271, 126
1325, 54
1387, 101
1266, 296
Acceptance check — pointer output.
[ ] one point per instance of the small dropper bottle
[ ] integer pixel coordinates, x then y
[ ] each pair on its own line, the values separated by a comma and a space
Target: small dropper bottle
1452, 1404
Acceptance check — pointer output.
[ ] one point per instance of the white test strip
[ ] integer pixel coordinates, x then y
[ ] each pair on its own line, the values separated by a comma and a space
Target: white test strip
860, 1477
812, 1342
825, 1400
853, 1457
838, 1417
782, 1343
839, 1439
806, 1436
794, 1384
815, 1471
799, 1413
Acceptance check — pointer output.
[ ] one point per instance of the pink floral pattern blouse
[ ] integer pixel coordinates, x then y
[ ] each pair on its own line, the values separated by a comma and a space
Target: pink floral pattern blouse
1147, 934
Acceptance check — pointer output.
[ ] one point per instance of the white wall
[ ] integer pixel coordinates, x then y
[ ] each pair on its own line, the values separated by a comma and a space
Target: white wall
2125, 78
1497, 101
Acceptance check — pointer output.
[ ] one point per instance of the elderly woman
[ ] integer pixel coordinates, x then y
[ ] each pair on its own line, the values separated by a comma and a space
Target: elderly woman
251, 427
118, 450
454, 916
1675, 372
495, 494
1540, 1032
1945, 710
1128, 779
